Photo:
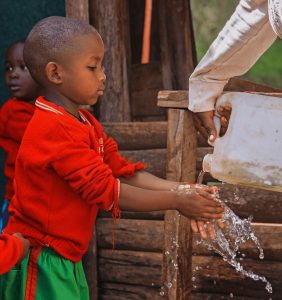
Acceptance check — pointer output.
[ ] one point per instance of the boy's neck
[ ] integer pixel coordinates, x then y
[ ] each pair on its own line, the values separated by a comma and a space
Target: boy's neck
60, 100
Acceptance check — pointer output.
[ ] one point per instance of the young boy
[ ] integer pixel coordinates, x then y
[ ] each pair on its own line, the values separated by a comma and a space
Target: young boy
15, 115
67, 168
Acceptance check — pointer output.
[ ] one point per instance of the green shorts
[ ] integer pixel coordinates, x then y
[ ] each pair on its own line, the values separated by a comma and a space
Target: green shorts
42, 275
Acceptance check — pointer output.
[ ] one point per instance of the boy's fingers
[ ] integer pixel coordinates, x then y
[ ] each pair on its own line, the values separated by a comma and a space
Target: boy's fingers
212, 215
202, 229
194, 226
211, 230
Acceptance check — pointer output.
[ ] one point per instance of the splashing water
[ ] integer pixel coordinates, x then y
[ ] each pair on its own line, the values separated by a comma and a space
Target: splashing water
228, 240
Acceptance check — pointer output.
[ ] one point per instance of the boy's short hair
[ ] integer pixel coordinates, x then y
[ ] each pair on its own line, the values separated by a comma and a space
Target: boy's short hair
49, 40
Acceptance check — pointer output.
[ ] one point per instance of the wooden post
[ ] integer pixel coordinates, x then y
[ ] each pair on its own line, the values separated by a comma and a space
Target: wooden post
77, 9
111, 20
178, 57
181, 157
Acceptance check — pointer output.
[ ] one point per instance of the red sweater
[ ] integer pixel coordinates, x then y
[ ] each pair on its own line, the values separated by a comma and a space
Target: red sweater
11, 249
66, 170
14, 117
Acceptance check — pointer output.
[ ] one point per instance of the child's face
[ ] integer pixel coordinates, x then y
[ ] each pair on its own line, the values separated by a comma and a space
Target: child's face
83, 75
17, 77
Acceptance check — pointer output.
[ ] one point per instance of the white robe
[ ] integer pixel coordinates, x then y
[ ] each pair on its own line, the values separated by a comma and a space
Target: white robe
250, 31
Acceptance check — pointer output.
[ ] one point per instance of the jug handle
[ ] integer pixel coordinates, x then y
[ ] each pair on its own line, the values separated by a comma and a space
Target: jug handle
223, 100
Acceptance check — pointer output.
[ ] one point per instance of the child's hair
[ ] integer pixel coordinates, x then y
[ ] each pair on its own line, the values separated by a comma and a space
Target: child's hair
50, 39
19, 41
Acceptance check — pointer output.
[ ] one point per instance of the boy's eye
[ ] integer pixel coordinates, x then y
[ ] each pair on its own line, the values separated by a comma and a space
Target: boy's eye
24, 67
92, 68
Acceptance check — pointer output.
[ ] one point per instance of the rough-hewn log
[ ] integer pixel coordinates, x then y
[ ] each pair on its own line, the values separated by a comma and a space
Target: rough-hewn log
155, 159
112, 291
213, 275
137, 135
130, 267
269, 235
179, 99
111, 20
147, 235
141, 135
77, 9
139, 235
264, 206
240, 85
181, 164
216, 296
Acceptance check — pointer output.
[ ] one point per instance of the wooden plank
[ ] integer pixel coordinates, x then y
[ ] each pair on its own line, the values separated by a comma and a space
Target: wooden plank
181, 167
241, 85
117, 291
130, 267
137, 135
269, 235
142, 135
264, 206
111, 20
213, 275
217, 296
179, 99
138, 235
154, 159
77, 9
131, 235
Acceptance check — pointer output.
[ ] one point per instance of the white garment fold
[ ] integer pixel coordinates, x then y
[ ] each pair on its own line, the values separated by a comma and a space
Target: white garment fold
243, 39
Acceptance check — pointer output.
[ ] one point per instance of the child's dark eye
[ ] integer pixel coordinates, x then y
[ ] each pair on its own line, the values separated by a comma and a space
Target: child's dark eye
92, 68
24, 67
8, 69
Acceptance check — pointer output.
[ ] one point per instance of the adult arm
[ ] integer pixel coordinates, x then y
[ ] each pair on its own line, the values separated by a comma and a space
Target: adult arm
244, 38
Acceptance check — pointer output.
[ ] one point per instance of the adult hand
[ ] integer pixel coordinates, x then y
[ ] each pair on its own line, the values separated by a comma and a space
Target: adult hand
204, 122
26, 245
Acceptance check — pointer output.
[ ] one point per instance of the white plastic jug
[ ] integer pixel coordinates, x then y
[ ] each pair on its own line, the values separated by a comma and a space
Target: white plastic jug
250, 153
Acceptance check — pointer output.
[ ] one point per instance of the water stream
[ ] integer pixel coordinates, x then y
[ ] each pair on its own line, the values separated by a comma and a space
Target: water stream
227, 243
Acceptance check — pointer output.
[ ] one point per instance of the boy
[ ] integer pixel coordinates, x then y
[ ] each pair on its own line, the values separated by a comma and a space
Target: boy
15, 115
67, 168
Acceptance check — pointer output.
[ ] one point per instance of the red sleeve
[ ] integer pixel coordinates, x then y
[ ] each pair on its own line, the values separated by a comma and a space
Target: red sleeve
118, 164
11, 249
82, 168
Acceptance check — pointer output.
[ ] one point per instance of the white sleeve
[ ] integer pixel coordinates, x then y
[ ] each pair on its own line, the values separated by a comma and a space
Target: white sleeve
244, 38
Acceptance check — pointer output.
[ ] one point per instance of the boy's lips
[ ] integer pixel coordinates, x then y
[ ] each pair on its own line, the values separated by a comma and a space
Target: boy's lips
100, 92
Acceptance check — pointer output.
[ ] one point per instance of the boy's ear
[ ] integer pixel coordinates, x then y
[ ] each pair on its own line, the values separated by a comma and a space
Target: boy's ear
53, 72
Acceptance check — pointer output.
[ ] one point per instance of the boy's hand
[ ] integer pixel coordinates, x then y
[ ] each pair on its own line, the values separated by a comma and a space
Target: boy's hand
205, 229
200, 204
26, 245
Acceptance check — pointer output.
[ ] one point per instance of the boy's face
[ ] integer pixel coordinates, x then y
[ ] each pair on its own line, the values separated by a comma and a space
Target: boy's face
17, 77
83, 75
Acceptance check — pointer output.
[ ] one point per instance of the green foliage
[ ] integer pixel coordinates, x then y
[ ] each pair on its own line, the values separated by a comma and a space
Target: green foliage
208, 19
